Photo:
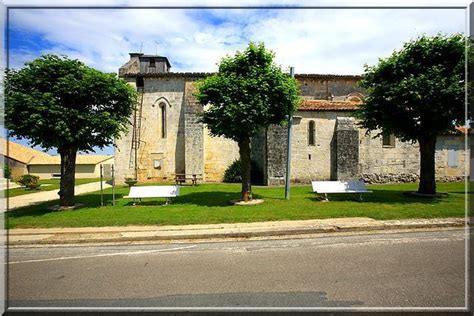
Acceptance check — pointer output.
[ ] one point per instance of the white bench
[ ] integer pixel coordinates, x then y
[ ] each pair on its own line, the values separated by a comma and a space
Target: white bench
165, 191
349, 186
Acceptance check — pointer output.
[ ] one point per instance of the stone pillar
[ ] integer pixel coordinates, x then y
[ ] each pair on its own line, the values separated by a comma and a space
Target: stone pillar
347, 149
277, 141
193, 133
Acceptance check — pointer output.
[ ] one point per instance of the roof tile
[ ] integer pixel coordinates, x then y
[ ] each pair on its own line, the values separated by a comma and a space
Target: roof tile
21, 153
325, 105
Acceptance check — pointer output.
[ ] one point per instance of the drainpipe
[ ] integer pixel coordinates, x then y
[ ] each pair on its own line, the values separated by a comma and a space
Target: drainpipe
288, 147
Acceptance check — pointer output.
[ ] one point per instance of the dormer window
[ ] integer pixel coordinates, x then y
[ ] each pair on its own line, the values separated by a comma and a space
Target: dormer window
152, 62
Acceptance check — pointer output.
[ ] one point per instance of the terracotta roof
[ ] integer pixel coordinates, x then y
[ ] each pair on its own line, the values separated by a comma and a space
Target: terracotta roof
463, 129
80, 160
21, 153
325, 105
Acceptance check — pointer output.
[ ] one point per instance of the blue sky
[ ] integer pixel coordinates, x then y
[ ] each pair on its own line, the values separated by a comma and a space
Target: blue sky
335, 41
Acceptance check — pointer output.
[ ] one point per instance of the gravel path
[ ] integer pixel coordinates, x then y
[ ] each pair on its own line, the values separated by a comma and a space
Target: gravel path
34, 198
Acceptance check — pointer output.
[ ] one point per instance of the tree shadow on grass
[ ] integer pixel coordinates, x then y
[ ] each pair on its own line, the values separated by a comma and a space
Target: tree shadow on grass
206, 198
380, 197
210, 198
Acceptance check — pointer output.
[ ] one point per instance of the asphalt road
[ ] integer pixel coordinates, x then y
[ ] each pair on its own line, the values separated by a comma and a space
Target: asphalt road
410, 269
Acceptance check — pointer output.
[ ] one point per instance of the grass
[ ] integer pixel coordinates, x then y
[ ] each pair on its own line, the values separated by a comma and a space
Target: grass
47, 185
208, 203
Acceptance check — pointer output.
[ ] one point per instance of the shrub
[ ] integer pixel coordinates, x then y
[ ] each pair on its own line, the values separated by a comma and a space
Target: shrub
7, 172
29, 181
233, 173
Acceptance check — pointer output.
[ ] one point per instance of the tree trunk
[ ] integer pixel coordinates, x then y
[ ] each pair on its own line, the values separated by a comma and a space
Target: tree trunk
68, 168
427, 166
244, 151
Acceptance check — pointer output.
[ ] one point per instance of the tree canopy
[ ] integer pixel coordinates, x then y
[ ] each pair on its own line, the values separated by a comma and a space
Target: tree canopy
56, 102
247, 94
417, 91
417, 94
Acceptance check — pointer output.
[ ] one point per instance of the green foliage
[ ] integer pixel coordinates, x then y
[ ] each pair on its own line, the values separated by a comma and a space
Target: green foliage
29, 181
417, 92
233, 173
57, 102
7, 172
248, 93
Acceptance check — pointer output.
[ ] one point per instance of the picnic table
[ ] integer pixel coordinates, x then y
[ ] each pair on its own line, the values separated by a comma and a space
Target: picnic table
182, 177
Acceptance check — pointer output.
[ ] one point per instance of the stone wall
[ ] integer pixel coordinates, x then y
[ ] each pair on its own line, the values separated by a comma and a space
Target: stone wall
188, 147
377, 163
401, 163
403, 158
277, 139
159, 158
219, 153
194, 135
123, 154
314, 162
323, 88
347, 149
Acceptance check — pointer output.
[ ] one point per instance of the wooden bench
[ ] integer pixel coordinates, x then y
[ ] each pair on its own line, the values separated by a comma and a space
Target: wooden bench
181, 178
165, 191
349, 186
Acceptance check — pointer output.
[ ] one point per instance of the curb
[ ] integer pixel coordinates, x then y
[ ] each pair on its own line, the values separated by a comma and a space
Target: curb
105, 237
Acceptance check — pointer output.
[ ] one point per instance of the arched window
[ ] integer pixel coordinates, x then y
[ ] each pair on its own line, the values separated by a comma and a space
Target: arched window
311, 133
163, 119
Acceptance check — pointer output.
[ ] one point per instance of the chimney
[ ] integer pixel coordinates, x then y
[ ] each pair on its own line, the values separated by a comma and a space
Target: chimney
135, 55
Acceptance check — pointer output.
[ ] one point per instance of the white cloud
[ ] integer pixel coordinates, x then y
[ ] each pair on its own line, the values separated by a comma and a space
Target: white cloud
312, 40
188, 3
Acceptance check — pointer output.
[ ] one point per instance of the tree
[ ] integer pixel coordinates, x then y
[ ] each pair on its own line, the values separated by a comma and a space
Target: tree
56, 102
417, 94
248, 93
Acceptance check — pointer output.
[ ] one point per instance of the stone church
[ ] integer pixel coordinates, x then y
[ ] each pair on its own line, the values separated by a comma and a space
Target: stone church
165, 137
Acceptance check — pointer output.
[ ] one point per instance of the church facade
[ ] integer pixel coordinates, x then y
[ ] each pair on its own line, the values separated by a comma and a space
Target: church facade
165, 137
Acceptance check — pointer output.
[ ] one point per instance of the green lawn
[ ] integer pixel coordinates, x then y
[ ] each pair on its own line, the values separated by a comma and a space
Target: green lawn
208, 203
47, 185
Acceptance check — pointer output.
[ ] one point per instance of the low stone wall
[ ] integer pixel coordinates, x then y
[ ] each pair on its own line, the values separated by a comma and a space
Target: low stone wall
403, 178
450, 179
